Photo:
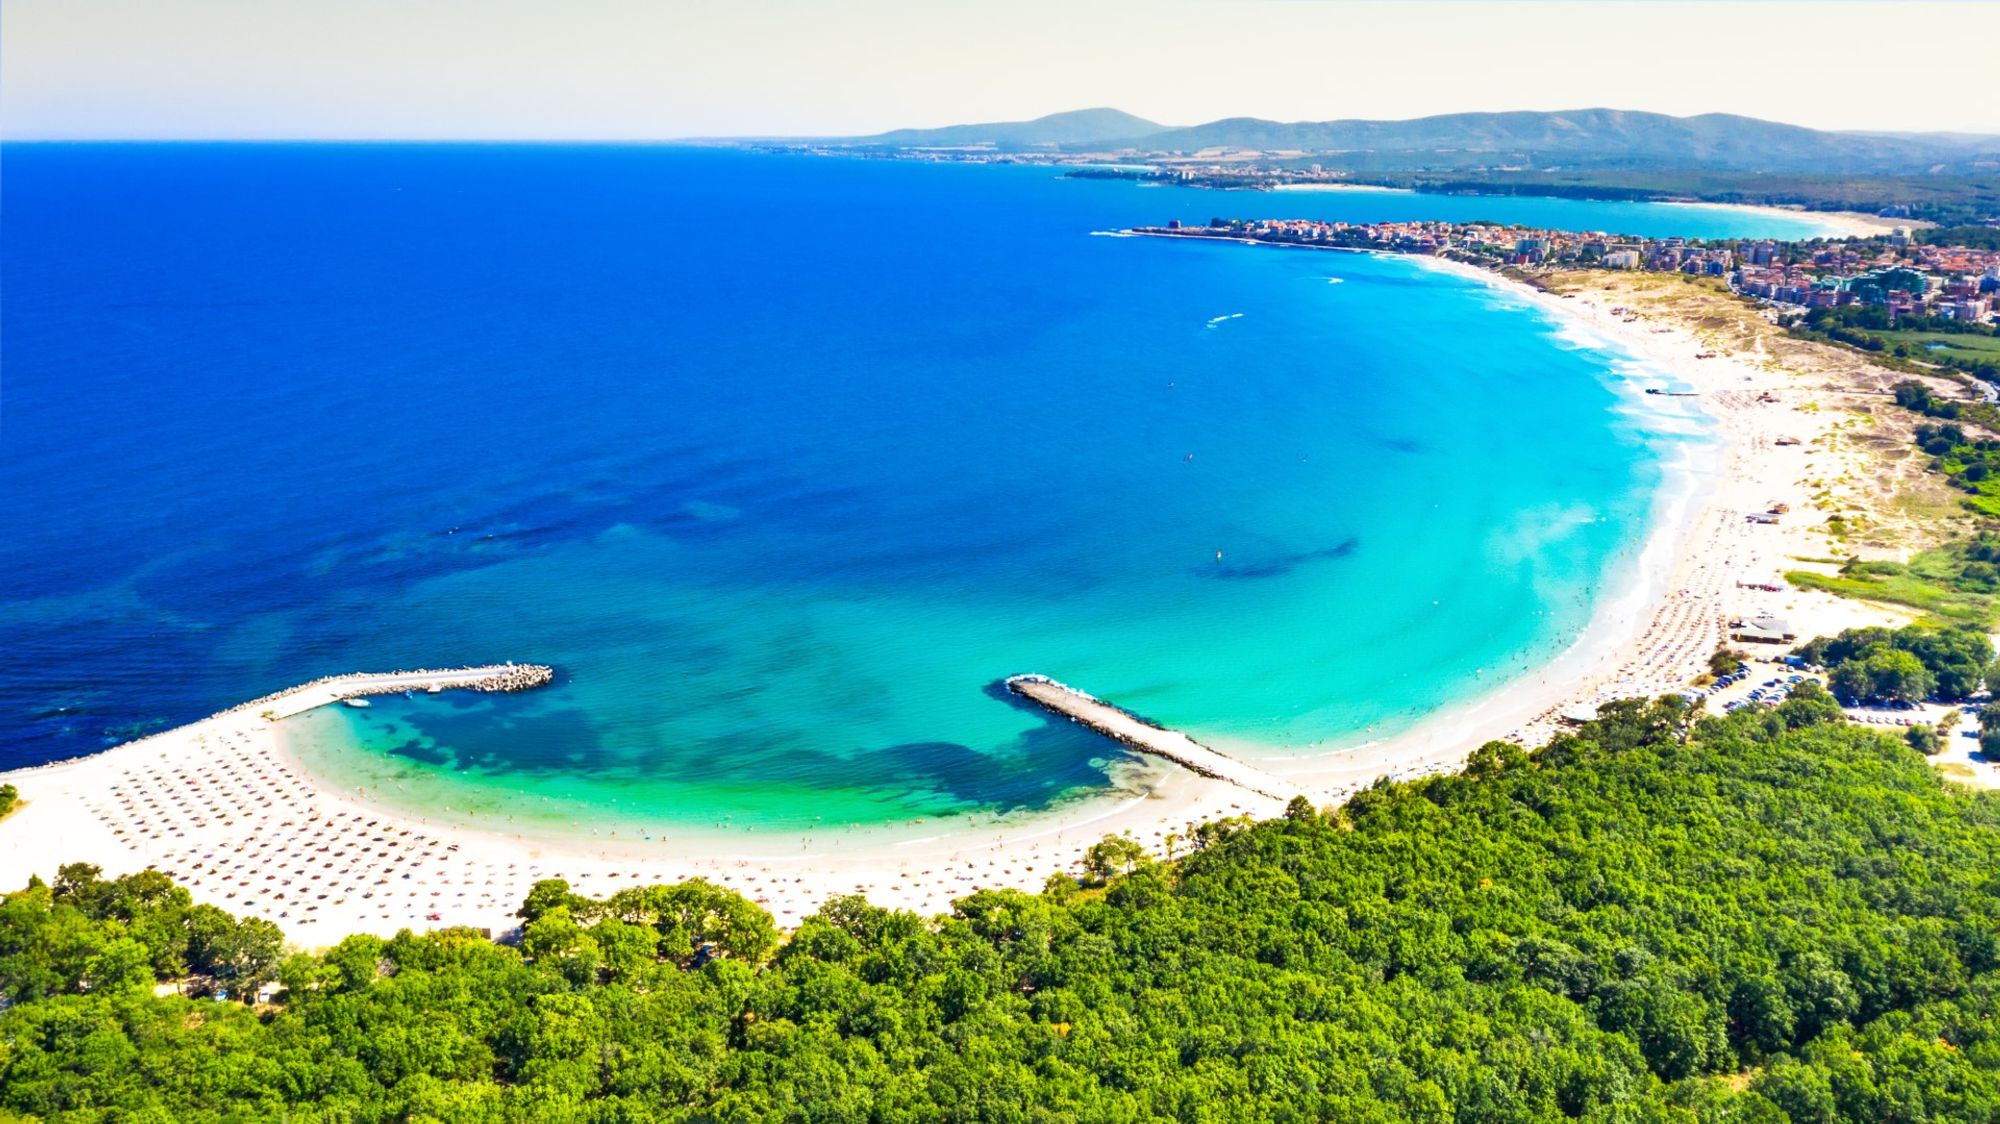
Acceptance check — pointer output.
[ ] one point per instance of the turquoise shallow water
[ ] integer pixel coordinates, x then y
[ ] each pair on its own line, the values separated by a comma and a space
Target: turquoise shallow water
783, 463
1432, 492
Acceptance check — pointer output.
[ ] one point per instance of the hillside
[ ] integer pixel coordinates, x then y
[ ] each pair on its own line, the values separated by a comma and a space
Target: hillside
1765, 917
1713, 140
1574, 138
1076, 127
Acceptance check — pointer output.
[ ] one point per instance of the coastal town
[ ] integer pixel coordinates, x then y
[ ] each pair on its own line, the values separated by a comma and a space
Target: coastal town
1895, 273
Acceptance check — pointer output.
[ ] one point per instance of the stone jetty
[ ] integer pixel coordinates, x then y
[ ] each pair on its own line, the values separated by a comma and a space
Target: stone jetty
320, 692
334, 688
1125, 727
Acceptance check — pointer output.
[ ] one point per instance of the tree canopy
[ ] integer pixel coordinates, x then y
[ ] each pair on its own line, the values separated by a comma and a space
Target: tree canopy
1662, 916
1905, 664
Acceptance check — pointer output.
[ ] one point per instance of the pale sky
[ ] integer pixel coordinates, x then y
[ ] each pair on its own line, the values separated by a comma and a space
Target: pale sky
654, 69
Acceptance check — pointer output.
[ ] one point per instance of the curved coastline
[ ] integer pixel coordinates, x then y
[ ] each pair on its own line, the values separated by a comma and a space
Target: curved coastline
1830, 224
1456, 718
1520, 708
1834, 224
919, 866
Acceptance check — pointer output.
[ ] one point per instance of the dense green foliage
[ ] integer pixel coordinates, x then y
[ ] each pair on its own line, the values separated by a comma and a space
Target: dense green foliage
89, 934
1970, 463
1913, 395
1989, 729
1659, 917
1924, 739
9, 796
1975, 237
1903, 664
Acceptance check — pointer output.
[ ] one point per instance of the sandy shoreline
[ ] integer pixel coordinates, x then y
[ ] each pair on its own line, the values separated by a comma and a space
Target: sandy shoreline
1365, 187
1833, 224
225, 806
1836, 224
1656, 635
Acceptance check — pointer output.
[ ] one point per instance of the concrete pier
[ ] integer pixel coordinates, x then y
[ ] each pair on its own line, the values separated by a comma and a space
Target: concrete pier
1137, 733
320, 692
323, 692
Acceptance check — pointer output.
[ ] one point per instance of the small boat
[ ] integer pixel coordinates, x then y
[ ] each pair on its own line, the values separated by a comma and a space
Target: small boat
358, 704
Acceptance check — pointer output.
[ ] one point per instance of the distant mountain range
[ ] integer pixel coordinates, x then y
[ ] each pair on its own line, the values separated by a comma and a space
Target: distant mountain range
1584, 137
1077, 127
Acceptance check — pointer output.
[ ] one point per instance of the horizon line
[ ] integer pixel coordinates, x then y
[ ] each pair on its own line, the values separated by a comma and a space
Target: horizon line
1987, 132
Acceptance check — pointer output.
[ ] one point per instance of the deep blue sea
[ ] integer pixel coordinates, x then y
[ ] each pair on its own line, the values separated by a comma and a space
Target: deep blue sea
783, 462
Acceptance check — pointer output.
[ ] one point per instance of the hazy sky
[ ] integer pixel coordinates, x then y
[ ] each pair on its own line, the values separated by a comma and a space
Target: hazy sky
672, 68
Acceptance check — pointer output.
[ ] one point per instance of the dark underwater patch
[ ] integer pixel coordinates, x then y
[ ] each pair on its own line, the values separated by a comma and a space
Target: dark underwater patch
1280, 565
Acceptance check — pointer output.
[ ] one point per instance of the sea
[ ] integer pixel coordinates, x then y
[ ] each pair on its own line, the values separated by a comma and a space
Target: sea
783, 462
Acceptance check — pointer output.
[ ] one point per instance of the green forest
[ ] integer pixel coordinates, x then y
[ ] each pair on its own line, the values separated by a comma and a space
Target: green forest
1904, 664
1664, 916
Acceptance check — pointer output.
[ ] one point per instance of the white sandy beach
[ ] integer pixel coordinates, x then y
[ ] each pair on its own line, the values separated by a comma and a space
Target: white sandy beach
226, 809
1835, 224
1832, 224
1657, 635
1363, 187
